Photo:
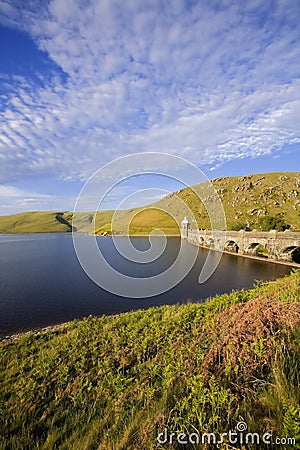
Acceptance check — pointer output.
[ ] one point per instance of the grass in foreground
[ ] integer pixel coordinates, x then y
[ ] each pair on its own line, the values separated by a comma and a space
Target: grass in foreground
116, 382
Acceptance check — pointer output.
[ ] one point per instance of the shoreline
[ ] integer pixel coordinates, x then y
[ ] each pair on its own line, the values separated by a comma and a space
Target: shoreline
34, 331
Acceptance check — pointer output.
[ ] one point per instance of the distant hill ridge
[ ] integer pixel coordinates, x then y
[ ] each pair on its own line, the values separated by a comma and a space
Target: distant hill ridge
260, 201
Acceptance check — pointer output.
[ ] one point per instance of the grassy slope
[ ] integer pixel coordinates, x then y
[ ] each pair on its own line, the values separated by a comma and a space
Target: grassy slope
33, 222
88, 222
49, 222
244, 199
115, 382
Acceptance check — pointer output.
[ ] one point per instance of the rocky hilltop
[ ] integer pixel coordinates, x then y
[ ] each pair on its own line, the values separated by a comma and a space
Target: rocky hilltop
248, 198
257, 201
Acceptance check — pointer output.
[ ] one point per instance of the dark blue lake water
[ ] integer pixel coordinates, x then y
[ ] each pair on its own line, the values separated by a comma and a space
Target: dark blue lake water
42, 282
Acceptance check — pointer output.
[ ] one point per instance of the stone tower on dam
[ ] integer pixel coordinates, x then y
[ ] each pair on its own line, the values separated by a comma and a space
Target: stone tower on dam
184, 229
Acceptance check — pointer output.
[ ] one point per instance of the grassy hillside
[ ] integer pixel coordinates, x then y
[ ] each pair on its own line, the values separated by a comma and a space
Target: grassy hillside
114, 383
247, 201
89, 222
34, 222
50, 222
256, 201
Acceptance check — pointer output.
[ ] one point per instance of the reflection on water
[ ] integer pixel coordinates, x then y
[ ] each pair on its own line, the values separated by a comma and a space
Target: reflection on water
42, 282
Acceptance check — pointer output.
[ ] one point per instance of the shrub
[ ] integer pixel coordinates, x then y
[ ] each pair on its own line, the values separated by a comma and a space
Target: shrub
268, 223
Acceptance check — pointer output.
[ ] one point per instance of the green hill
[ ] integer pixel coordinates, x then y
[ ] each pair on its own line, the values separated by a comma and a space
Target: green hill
49, 222
258, 201
35, 222
113, 383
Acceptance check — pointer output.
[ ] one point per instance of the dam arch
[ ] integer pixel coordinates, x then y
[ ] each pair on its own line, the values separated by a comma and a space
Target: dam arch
232, 246
292, 253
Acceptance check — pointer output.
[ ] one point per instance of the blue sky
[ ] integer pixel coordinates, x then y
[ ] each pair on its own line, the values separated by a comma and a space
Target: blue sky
81, 83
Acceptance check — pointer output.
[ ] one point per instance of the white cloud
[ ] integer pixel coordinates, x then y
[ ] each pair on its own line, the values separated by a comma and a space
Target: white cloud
209, 83
14, 200
10, 191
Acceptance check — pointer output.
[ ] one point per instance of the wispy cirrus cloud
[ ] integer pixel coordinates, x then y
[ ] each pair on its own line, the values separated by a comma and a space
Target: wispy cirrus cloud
210, 81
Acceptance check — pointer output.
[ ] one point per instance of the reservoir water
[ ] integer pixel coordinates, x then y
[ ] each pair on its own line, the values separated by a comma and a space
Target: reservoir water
42, 282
